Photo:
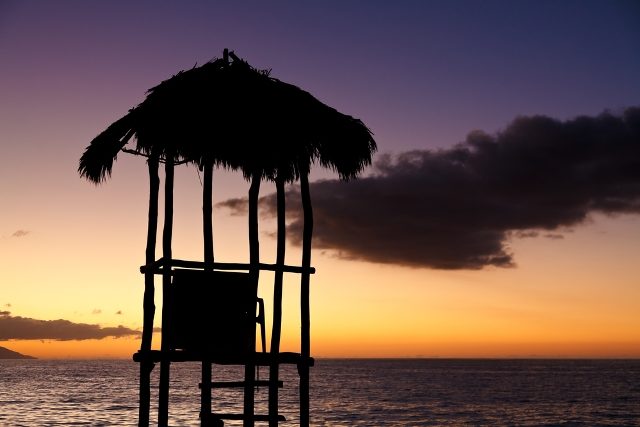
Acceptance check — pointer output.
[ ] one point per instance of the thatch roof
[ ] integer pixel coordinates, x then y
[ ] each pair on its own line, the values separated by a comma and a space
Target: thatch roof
235, 116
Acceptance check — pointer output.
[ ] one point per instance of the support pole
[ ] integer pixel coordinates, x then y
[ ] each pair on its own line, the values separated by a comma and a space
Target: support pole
207, 211
163, 401
277, 306
254, 260
148, 305
305, 339
207, 230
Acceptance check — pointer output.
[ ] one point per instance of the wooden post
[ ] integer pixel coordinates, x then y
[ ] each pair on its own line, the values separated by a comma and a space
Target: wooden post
207, 211
277, 306
207, 230
303, 368
148, 305
165, 364
254, 260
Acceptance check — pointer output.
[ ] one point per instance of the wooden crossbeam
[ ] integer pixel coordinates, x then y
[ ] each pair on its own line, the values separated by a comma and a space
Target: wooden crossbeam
157, 266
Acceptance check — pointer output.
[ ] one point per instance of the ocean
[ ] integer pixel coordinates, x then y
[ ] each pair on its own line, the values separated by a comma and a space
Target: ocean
344, 392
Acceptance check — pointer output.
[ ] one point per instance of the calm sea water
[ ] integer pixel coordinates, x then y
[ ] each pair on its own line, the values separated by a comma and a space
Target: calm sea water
427, 392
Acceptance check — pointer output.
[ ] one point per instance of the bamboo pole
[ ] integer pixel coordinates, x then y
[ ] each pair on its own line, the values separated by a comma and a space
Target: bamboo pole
148, 304
254, 260
277, 307
305, 338
163, 401
207, 230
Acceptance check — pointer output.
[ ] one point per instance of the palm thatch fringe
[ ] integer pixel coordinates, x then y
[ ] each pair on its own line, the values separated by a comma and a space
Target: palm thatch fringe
237, 117
97, 160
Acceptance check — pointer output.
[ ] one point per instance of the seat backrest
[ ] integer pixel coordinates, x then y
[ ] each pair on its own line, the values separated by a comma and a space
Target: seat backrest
213, 311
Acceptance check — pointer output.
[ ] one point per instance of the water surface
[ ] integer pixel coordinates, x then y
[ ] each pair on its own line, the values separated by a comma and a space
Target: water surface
405, 392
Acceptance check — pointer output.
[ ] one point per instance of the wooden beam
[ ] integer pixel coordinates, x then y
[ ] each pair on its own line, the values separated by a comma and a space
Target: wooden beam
305, 338
157, 266
141, 154
207, 231
260, 359
254, 261
207, 211
148, 305
167, 234
277, 305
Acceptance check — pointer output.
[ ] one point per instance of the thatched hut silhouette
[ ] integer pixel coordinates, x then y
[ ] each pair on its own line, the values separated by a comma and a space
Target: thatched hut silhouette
227, 114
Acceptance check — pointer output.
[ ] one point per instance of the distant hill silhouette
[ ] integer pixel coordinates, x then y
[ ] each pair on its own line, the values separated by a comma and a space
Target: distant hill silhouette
5, 353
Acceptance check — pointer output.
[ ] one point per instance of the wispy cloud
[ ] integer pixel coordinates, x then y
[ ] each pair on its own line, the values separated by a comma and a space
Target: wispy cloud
457, 208
20, 233
96, 311
24, 328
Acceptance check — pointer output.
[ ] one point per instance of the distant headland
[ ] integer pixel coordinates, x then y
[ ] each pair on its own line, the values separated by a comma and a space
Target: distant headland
5, 353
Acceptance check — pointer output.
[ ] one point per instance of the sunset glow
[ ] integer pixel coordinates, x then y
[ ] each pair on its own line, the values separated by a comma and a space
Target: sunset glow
72, 250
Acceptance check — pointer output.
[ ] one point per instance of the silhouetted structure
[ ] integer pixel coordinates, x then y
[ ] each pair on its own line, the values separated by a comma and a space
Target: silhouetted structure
228, 114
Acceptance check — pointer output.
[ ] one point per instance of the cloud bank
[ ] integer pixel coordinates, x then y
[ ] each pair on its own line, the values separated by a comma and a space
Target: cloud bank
457, 208
24, 328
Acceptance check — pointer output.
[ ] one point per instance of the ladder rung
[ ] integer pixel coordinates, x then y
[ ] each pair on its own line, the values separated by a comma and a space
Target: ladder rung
231, 384
243, 416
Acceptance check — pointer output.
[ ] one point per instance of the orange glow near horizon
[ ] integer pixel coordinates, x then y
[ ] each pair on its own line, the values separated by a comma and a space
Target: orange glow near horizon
573, 297
343, 347
357, 312
107, 348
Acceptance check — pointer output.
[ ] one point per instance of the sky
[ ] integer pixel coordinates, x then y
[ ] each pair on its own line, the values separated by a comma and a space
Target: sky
499, 217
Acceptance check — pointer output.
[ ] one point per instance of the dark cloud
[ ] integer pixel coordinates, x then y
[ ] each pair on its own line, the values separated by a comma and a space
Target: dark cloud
553, 236
237, 206
24, 328
523, 234
20, 233
119, 312
457, 208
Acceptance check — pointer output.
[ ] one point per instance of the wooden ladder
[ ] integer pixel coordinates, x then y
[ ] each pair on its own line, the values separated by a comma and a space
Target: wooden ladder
216, 419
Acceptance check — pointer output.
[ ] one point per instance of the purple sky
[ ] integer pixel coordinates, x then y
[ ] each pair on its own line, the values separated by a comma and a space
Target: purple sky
420, 74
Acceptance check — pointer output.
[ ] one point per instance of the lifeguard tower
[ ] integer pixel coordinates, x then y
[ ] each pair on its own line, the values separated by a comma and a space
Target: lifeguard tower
230, 115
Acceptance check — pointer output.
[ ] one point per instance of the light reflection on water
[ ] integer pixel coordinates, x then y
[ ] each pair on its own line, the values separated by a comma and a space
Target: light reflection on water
344, 393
